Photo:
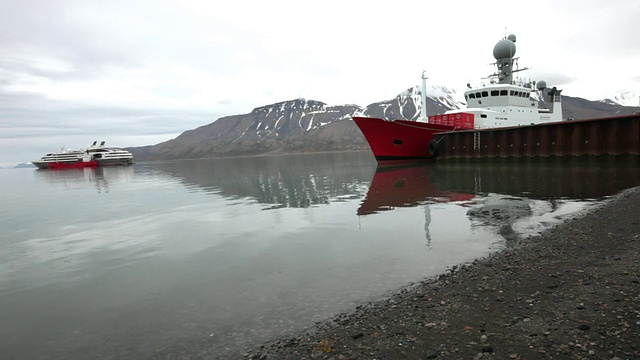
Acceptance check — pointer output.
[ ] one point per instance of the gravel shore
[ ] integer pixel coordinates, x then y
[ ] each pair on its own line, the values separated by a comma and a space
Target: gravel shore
570, 293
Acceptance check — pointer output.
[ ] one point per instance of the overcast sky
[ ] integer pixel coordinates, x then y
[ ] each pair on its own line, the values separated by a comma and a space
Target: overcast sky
141, 72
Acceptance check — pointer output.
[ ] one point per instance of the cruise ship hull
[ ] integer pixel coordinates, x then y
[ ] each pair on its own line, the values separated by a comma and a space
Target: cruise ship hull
72, 165
113, 162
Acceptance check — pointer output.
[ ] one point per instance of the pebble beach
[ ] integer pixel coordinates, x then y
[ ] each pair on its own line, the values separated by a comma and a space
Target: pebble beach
572, 292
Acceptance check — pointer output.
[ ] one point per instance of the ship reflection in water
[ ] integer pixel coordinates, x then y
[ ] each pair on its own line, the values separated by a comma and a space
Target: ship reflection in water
101, 178
514, 199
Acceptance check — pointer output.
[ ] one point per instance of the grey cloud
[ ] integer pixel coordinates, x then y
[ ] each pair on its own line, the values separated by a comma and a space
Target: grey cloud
33, 115
558, 79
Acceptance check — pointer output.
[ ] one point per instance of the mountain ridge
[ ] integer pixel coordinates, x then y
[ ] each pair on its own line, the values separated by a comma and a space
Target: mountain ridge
303, 125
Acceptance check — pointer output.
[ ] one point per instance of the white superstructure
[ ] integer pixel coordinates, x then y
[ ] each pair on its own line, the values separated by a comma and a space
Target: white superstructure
505, 101
109, 156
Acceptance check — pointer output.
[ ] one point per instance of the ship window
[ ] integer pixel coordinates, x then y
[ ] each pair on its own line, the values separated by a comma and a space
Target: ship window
513, 92
485, 93
484, 116
495, 92
478, 95
503, 92
472, 96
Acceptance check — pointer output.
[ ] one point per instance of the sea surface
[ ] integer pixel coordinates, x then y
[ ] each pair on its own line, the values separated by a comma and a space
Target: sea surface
216, 256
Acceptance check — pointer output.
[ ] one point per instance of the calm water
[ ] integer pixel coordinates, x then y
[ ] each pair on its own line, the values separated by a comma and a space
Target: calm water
212, 256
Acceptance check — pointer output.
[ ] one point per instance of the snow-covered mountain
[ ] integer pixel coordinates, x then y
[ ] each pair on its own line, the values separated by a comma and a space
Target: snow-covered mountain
629, 98
303, 125
408, 104
294, 126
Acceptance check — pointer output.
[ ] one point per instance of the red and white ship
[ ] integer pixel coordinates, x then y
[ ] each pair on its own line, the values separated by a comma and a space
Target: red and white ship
94, 155
502, 102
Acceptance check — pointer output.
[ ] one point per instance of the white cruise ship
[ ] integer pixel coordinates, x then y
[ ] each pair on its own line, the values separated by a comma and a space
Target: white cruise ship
97, 153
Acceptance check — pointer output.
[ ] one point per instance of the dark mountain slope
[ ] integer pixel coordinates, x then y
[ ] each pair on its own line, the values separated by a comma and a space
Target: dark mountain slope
302, 125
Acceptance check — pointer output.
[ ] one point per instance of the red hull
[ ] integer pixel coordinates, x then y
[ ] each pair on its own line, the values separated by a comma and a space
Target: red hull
73, 165
400, 139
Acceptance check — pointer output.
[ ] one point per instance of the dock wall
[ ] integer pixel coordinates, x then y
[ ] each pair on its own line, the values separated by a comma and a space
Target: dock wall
608, 136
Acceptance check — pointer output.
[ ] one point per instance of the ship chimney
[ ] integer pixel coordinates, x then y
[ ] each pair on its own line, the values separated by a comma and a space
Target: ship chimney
555, 104
552, 98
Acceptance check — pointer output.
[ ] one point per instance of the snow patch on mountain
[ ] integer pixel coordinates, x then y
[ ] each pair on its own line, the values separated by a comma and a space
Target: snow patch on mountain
448, 97
629, 98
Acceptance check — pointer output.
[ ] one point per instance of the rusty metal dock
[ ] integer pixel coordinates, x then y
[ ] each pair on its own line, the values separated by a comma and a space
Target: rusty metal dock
604, 136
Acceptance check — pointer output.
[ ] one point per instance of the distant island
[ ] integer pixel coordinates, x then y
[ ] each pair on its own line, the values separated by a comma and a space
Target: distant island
24, 165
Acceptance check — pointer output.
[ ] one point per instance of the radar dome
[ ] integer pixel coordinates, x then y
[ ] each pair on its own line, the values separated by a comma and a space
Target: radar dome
504, 49
512, 37
541, 85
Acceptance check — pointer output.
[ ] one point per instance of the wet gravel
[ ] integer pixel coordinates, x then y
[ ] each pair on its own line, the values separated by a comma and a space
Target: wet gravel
571, 293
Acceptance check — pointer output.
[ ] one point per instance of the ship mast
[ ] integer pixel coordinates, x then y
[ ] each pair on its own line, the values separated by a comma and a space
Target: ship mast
504, 52
423, 93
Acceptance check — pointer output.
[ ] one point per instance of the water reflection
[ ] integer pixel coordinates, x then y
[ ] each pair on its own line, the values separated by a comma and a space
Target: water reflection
590, 178
514, 198
295, 181
100, 178
128, 262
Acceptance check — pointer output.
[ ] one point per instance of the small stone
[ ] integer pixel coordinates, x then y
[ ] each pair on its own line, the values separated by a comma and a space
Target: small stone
433, 354
584, 327
487, 349
357, 336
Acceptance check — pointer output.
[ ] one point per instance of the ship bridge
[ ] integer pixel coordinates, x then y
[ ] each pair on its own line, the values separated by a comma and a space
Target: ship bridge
499, 95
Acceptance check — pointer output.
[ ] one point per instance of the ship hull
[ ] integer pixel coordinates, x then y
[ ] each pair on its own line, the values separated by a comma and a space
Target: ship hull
114, 162
42, 165
400, 140
72, 165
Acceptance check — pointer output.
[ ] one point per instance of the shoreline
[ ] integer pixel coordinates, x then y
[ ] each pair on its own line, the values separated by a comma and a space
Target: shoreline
571, 292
